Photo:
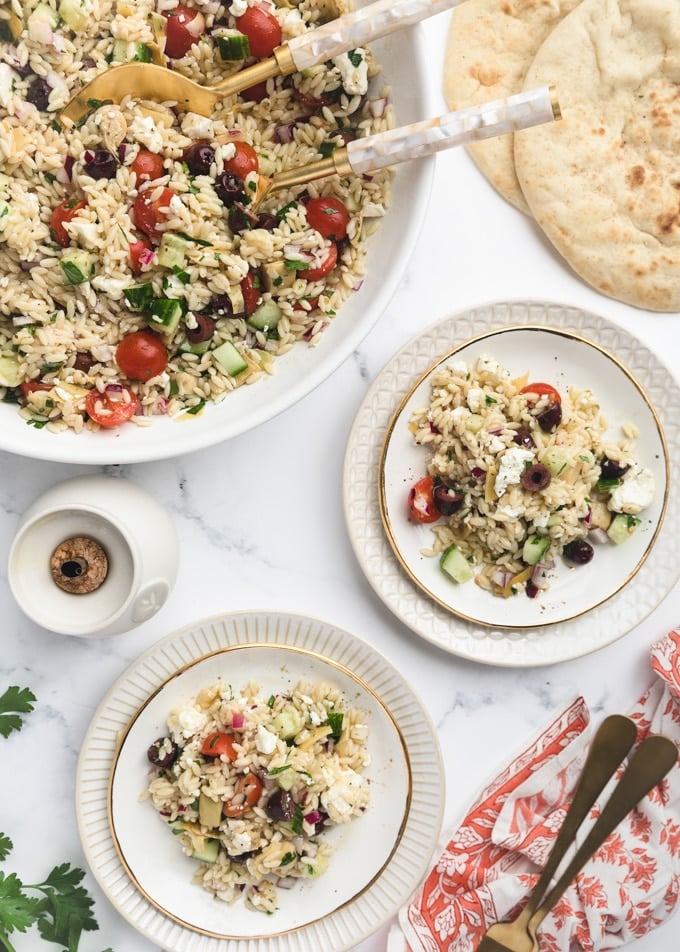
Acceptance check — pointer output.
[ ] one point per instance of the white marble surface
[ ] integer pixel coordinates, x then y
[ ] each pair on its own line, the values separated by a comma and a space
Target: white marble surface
261, 525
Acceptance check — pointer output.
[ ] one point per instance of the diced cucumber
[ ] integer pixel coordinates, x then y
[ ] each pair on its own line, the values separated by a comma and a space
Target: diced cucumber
121, 51
139, 296
5, 183
142, 53
77, 266
74, 14
286, 778
266, 316
4, 214
233, 45
202, 848
10, 375
288, 722
535, 547
164, 315
474, 422
554, 460
43, 13
172, 251
622, 527
11, 27
209, 811
230, 359
454, 563
600, 516
199, 349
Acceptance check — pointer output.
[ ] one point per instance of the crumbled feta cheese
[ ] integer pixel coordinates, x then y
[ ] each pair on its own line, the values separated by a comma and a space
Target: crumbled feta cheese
512, 466
540, 520
373, 210
238, 7
459, 367
476, 399
190, 320
314, 718
85, 233
143, 129
242, 842
635, 492
494, 444
187, 721
197, 127
459, 413
512, 512
344, 795
113, 287
489, 365
227, 151
7, 80
265, 741
176, 205
353, 69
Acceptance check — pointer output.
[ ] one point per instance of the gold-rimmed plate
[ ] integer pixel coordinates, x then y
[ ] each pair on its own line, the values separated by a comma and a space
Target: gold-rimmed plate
378, 859
539, 643
563, 359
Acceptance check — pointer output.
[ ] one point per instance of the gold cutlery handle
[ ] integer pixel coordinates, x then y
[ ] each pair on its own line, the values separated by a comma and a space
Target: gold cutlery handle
649, 764
609, 748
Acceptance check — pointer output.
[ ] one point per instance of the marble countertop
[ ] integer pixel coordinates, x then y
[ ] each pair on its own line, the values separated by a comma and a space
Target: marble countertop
261, 526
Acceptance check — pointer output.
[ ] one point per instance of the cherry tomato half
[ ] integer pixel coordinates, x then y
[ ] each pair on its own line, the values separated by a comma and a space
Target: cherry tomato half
328, 216
244, 160
140, 249
184, 27
543, 390
262, 29
248, 787
62, 214
113, 407
147, 166
251, 291
326, 266
218, 744
142, 355
148, 213
421, 501
34, 386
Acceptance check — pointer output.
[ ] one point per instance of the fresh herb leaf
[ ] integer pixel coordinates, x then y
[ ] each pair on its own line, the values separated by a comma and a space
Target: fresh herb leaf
283, 212
66, 907
181, 274
288, 858
355, 57
296, 822
14, 702
270, 701
197, 409
277, 770
335, 719
36, 424
5, 846
17, 910
295, 265
196, 241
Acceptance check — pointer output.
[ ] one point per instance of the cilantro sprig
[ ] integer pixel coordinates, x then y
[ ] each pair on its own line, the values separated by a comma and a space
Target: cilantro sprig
13, 703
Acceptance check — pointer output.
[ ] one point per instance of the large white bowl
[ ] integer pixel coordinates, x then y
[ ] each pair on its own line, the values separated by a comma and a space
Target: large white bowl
304, 367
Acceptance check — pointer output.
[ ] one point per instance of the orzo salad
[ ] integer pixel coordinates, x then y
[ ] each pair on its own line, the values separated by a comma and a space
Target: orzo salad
251, 783
136, 278
519, 476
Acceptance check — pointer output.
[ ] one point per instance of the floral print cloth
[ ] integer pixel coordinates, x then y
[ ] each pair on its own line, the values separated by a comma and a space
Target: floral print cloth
493, 859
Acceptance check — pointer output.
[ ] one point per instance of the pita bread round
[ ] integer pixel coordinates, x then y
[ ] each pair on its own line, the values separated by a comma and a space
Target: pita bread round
604, 183
490, 46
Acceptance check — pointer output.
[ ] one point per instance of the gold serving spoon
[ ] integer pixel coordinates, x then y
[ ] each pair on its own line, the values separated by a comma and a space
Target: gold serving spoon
10, 25
149, 81
650, 763
420, 139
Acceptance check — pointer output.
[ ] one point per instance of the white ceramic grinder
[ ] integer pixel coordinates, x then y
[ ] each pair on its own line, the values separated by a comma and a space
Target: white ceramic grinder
93, 556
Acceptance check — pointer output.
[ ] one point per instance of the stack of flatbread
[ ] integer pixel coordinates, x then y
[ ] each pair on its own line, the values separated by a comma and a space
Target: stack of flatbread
604, 182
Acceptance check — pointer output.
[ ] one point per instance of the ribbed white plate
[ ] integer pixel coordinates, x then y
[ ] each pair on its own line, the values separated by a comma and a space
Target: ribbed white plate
493, 644
371, 874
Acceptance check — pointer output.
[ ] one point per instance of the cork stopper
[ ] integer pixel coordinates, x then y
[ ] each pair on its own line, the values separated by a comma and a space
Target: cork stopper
79, 565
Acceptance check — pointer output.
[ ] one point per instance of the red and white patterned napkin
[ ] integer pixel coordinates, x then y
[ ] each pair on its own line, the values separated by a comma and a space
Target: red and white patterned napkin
493, 859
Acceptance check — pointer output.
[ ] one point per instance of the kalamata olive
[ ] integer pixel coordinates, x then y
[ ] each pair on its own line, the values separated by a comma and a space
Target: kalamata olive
530, 589
163, 752
83, 361
238, 220
536, 477
524, 438
222, 306
447, 501
204, 330
610, 469
101, 164
229, 188
280, 805
38, 93
199, 157
267, 221
550, 418
579, 551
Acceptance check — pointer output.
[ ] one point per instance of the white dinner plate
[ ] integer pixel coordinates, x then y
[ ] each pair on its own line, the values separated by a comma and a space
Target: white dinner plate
562, 359
494, 643
379, 858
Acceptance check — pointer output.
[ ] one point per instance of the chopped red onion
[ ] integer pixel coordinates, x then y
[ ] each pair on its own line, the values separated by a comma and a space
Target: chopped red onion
538, 576
284, 133
147, 256
21, 320
238, 720
89, 155
313, 817
286, 882
195, 26
376, 107
598, 534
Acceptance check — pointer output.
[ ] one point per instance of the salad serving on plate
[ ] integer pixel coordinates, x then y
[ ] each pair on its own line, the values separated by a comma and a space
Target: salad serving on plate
519, 475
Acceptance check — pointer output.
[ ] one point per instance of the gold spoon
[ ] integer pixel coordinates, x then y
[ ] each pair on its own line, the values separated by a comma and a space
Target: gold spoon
649, 764
419, 139
149, 81
10, 25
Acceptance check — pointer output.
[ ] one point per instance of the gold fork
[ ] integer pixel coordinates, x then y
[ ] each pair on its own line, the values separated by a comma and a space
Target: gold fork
649, 764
